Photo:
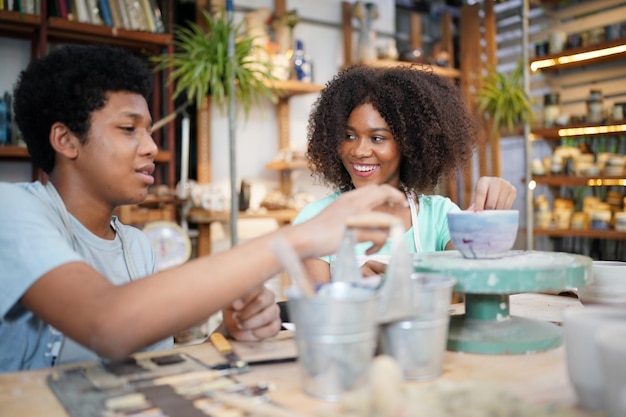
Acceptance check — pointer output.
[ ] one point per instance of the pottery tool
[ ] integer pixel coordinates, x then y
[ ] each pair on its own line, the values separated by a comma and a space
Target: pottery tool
254, 406
374, 220
288, 257
226, 349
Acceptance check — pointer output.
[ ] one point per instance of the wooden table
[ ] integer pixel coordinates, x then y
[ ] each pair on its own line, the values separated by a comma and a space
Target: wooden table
204, 218
540, 377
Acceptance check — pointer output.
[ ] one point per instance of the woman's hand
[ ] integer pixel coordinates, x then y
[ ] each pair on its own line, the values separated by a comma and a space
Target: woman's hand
493, 193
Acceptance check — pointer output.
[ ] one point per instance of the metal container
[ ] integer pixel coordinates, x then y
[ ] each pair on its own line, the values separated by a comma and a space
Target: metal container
336, 335
418, 343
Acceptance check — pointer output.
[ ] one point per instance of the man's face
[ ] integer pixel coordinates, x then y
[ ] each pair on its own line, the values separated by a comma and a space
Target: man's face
117, 161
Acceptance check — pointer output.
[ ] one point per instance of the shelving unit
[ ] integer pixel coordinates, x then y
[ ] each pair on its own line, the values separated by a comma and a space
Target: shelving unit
415, 35
286, 90
595, 61
43, 30
607, 51
14, 152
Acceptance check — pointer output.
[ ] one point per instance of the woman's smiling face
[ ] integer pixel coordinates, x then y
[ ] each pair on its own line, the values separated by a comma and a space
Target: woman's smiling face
369, 151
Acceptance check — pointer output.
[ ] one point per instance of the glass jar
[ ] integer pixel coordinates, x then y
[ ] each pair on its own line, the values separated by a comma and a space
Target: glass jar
551, 110
619, 111
594, 106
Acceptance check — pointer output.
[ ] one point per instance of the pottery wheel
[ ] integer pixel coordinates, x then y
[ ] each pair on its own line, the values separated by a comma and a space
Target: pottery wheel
487, 327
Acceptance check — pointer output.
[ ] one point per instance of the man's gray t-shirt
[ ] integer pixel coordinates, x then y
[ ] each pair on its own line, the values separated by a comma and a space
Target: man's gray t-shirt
37, 234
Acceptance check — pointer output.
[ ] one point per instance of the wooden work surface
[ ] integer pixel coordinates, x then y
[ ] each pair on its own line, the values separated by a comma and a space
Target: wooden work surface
204, 218
540, 377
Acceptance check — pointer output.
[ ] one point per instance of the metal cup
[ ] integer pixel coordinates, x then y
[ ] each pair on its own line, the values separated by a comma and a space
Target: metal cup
336, 338
418, 342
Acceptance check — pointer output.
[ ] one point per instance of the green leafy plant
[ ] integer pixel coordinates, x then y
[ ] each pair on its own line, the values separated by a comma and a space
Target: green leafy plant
201, 65
504, 99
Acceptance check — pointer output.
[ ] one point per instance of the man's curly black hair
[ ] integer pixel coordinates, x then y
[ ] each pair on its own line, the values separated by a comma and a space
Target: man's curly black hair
434, 130
67, 86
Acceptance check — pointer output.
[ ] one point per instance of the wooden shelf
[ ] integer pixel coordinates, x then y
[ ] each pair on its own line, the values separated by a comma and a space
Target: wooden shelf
198, 215
554, 133
14, 152
286, 166
588, 233
582, 181
41, 31
19, 152
18, 23
561, 59
291, 88
442, 71
66, 30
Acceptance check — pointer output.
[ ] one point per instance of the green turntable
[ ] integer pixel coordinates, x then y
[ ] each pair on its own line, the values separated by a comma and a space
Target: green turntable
487, 327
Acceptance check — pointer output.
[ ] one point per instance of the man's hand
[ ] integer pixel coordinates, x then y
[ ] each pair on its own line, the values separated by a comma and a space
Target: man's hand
371, 268
493, 193
324, 232
253, 318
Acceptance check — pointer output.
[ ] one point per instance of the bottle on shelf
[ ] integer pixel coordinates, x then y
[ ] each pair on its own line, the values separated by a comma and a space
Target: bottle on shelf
302, 64
619, 111
551, 110
594, 106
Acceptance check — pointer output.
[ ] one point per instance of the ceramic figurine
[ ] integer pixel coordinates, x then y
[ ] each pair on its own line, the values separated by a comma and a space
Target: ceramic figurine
366, 13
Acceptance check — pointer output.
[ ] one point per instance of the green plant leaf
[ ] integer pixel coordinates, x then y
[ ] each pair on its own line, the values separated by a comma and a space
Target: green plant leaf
200, 64
503, 100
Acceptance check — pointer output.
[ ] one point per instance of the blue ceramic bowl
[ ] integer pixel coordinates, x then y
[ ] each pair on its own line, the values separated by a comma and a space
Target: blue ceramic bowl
483, 234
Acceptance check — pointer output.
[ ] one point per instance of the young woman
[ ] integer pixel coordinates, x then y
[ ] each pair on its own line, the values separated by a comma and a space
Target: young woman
400, 126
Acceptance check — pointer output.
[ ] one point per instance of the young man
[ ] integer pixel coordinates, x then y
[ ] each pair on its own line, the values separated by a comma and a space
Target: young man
78, 284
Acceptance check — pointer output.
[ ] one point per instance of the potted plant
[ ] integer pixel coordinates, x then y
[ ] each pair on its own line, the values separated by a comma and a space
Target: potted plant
204, 65
504, 99
200, 66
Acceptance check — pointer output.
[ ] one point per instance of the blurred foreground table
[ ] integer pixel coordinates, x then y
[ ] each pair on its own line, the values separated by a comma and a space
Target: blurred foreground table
540, 377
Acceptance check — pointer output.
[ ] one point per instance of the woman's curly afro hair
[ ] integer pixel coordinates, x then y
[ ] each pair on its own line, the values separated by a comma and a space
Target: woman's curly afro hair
67, 86
434, 131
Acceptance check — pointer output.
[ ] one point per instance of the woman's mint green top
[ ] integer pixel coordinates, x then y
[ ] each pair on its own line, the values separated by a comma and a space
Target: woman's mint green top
432, 224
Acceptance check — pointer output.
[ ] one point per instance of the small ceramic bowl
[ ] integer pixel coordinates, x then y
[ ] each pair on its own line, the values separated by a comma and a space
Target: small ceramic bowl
483, 234
581, 325
607, 286
611, 345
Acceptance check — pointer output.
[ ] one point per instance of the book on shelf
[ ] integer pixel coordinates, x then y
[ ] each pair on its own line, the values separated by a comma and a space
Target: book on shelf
93, 11
80, 6
105, 12
27, 6
7, 133
23, 6
158, 18
148, 16
53, 8
134, 15
115, 14
4, 128
62, 8
124, 14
